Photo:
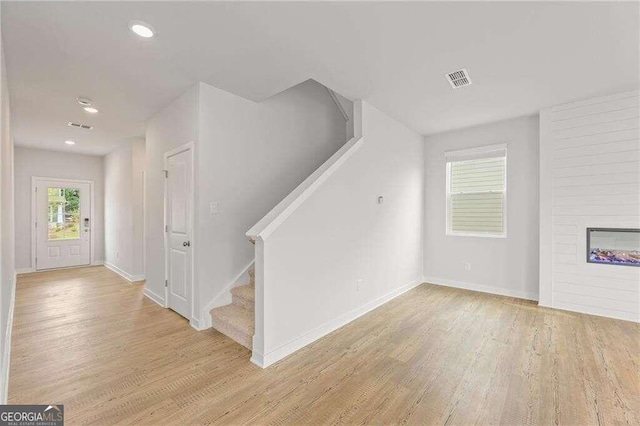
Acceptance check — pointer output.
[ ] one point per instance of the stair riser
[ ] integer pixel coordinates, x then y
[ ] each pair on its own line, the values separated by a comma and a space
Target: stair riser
244, 303
233, 333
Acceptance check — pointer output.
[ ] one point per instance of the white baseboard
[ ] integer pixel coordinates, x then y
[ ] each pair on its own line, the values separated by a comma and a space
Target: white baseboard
326, 328
224, 297
599, 312
519, 294
154, 297
196, 325
127, 276
257, 359
6, 356
33, 270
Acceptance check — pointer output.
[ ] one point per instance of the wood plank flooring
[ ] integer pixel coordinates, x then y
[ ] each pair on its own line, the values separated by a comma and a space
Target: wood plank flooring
89, 340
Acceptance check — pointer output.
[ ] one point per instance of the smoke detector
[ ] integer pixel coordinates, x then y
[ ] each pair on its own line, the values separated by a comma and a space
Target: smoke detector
458, 79
79, 126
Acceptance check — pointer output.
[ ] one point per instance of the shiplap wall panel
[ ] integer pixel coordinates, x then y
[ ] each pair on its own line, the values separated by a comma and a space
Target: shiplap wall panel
566, 239
611, 178
593, 155
595, 119
596, 291
603, 106
598, 140
624, 284
585, 157
597, 200
601, 189
597, 210
606, 274
628, 305
614, 149
597, 129
565, 248
598, 169
596, 310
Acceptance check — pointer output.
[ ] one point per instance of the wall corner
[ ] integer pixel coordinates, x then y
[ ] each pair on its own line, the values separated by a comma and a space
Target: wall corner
546, 211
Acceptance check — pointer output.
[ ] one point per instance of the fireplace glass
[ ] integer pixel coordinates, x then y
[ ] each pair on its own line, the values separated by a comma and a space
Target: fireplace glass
613, 246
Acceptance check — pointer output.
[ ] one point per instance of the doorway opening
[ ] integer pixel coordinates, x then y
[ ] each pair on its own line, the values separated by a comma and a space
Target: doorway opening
62, 223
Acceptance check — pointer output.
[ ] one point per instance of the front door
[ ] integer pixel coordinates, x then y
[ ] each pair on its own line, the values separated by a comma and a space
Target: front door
178, 228
62, 224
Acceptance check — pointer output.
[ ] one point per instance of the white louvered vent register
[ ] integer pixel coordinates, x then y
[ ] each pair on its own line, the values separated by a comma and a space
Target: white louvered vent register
476, 191
458, 79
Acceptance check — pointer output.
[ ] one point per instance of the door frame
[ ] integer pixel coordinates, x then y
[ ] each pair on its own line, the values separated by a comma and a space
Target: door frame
190, 146
34, 216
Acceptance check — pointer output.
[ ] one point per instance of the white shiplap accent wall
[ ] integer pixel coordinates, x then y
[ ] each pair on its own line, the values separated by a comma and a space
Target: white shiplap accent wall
589, 177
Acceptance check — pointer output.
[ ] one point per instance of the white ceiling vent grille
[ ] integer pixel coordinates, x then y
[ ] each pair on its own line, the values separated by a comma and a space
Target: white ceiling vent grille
458, 79
79, 126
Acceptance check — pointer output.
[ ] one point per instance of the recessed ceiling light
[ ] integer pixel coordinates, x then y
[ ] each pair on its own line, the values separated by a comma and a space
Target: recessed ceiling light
92, 110
142, 29
70, 142
84, 101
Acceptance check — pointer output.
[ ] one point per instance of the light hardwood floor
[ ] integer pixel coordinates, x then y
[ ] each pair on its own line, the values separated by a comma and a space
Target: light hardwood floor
87, 339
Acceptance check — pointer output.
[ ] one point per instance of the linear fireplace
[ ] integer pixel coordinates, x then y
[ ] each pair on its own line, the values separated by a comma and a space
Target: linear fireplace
613, 246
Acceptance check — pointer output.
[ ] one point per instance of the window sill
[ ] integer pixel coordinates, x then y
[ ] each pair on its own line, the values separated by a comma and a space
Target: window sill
456, 234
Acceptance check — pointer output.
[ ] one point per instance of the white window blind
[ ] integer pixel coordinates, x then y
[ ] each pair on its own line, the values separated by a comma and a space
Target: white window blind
476, 191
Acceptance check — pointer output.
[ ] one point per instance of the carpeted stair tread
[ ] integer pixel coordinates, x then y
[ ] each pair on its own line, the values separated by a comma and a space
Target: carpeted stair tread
236, 322
244, 296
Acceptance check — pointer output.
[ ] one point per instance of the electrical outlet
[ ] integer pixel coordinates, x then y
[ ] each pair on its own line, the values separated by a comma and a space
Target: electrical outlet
467, 266
358, 285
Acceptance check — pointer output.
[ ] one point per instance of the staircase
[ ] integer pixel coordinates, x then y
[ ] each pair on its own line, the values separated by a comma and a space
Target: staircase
237, 320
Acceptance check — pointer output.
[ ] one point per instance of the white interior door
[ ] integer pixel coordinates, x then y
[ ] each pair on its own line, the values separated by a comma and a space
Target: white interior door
62, 224
178, 220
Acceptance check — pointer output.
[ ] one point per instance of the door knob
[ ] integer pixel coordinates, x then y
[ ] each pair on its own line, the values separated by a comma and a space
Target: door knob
186, 243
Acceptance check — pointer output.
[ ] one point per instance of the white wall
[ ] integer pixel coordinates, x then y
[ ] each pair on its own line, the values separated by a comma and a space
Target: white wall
7, 266
248, 157
123, 221
340, 235
507, 266
251, 155
347, 106
175, 125
118, 221
55, 164
589, 177
138, 164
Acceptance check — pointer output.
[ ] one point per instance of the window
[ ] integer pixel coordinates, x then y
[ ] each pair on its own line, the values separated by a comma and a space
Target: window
64, 213
476, 191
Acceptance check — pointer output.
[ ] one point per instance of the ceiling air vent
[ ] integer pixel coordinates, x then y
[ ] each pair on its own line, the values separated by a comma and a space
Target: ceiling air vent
79, 126
458, 79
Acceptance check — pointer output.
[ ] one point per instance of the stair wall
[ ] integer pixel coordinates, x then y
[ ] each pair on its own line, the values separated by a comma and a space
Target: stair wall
340, 253
250, 156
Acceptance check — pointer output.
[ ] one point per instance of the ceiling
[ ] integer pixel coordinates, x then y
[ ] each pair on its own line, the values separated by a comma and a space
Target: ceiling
521, 57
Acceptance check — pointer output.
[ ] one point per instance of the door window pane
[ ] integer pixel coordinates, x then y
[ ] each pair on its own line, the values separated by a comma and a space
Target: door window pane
64, 213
